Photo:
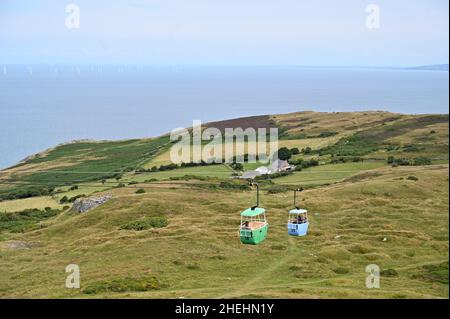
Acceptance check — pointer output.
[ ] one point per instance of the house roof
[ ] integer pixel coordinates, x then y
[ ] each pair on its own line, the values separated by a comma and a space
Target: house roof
253, 212
279, 164
298, 211
262, 169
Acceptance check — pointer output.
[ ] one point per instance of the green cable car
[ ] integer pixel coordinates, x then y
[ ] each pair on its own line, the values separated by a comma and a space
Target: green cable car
254, 226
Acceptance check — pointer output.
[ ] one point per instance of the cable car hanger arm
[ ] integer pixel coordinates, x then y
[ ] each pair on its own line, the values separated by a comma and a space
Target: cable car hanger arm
295, 197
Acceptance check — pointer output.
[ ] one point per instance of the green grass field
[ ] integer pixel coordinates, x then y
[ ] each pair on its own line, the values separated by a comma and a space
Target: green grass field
327, 174
219, 171
86, 161
34, 202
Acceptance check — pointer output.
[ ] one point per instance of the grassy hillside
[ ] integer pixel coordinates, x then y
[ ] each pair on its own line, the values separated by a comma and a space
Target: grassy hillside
397, 223
79, 162
177, 237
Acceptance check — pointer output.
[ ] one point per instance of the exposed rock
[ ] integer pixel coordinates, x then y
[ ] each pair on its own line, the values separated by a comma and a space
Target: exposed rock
16, 244
82, 205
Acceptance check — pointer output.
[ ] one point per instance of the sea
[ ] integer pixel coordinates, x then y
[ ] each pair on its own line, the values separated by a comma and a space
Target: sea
44, 105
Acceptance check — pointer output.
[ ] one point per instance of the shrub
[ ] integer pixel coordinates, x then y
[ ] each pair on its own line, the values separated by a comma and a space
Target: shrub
193, 267
64, 200
27, 193
421, 161
234, 185
338, 160
358, 249
174, 166
418, 161
312, 162
123, 285
25, 220
341, 270
140, 191
73, 199
168, 167
189, 177
300, 163
358, 144
389, 273
284, 154
413, 178
327, 134
150, 222
237, 166
434, 273
295, 151
272, 176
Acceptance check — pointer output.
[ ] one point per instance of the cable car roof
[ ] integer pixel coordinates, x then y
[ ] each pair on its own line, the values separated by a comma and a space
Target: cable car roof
253, 212
298, 211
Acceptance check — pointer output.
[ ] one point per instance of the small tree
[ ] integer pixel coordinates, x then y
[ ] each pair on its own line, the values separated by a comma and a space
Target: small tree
295, 151
420, 161
237, 166
64, 200
284, 154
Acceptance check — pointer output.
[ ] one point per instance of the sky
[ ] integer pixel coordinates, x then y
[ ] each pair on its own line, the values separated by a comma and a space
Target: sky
232, 32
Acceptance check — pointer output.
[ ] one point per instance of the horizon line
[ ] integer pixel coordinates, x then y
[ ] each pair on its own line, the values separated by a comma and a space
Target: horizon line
226, 65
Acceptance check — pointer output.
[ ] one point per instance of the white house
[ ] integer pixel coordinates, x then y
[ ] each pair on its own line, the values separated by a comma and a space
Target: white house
263, 170
275, 167
281, 166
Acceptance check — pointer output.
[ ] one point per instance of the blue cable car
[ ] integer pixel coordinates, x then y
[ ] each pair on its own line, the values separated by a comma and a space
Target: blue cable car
298, 222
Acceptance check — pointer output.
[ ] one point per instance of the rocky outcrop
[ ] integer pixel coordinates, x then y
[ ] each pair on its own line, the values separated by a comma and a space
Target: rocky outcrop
16, 244
82, 205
